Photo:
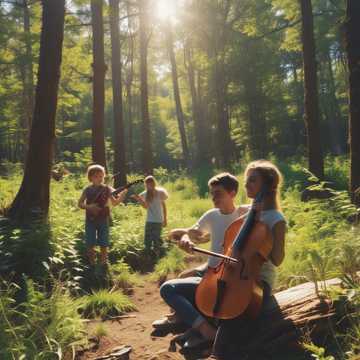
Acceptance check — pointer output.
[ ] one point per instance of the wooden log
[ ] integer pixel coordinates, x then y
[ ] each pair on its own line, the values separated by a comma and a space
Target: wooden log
289, 317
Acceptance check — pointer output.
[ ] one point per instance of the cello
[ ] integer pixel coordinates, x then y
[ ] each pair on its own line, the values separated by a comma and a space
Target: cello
232, 288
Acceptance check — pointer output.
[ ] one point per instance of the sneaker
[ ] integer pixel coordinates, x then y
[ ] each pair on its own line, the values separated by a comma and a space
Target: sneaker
165, 322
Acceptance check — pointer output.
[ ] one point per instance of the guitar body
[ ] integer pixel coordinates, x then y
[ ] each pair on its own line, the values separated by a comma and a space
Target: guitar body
232, 289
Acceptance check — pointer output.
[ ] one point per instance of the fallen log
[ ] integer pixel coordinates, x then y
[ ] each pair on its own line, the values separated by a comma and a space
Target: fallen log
291, 317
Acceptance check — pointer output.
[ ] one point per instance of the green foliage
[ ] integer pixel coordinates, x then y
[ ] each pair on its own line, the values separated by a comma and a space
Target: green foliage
41, 328
122, 276
318, 353
172, 263
104, 304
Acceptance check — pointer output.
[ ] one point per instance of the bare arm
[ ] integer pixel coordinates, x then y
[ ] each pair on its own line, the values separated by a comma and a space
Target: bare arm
139, 199
82, 201
118, 199
165, 213
278, 252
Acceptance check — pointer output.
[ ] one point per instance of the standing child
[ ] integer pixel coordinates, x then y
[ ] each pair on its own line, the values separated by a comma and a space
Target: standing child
153, 200
95, 200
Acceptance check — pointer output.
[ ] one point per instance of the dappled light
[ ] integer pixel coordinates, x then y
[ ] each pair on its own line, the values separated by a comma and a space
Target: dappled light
179, 179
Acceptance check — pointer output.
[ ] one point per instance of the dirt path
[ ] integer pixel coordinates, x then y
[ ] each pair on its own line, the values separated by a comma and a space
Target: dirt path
136, 331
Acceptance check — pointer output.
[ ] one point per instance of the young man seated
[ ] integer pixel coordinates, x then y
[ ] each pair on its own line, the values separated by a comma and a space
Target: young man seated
179, 294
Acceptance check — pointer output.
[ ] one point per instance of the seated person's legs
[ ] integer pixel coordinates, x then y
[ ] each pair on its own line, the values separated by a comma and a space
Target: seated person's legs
180, 295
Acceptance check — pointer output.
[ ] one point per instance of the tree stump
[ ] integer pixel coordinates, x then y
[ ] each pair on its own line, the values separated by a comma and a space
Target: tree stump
289, 318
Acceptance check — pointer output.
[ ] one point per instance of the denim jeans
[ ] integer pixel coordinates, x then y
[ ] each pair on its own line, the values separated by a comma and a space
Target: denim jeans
180, 295
97, 233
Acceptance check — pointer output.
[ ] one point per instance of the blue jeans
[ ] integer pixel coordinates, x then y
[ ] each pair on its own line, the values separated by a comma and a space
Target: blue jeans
180, 295
97, 233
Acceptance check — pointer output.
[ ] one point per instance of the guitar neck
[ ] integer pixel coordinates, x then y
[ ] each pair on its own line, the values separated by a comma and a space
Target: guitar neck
120, 189
127, 186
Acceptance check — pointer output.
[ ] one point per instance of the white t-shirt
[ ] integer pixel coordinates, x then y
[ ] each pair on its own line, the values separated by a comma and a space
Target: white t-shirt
268, 269
155, 212
215, 223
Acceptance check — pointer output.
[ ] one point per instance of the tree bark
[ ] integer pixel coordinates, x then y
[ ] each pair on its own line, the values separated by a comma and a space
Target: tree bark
223, 125
254, 100
119, 140
287, 318
201, 155
99, 70
311, 116
335, 113
129, 95
179, 111
147, 156
352, 34
33, 196
28, 76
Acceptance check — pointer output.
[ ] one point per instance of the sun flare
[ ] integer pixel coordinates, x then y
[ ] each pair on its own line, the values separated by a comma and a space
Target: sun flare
166, 9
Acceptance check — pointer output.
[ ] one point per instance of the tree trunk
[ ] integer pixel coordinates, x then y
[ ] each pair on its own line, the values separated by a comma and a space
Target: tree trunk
147, 156
179, 111
33, 196
223, 126
311, 116
353, 53
99, 69
335, 113
201, 155
28, 76
119, 142
129, 95
256, 117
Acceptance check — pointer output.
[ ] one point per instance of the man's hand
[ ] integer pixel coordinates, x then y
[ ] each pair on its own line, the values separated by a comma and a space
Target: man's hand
186, 244
176, 234
164, 224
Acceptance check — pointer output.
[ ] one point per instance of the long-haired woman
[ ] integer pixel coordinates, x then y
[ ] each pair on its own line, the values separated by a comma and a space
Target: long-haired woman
153, 200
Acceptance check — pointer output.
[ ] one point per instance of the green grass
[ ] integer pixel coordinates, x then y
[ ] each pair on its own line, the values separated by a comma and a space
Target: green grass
41, 328
320, 243
172, 263
104, 304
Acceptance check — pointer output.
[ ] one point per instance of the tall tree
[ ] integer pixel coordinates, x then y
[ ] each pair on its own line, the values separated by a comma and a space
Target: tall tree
353, 52
119, 142
27, 69
175, 81
219, 13
129, 85
147, 156
33, 196
201, 130
311, 116
99, 70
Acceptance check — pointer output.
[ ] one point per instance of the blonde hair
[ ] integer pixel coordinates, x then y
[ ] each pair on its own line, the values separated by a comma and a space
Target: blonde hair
150, 194
93, 169
271, 177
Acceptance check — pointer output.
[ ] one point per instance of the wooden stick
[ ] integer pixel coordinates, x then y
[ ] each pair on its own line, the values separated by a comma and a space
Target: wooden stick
207, 252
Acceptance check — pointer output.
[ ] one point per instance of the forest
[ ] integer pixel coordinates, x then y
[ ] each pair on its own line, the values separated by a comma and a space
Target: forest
178, 90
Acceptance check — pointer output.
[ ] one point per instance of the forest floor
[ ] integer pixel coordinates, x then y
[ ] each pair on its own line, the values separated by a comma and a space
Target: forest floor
135, 330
